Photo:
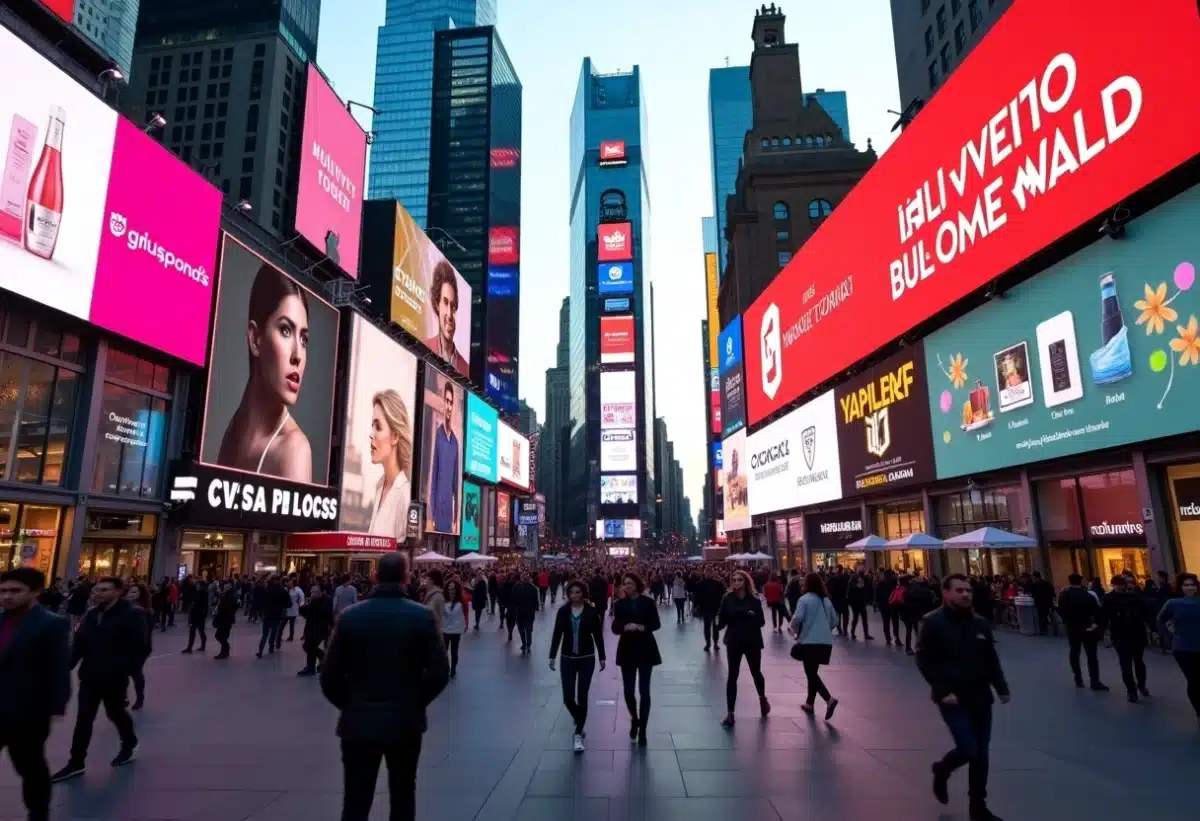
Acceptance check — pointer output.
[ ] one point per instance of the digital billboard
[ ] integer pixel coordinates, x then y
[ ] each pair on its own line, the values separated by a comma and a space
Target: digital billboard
614, 241
618, 449
97, 219
618, 529
714, 315
616, 306
442, 452
616, 339
618, 399
730, 372
512, 457
333, 167
504, 245
618, 490
430, 299
503, 336
480, 448
471, 508
380, 427
794, 462
503, 516
1097, 351
269, 406
615, 278
612, 153
64, 9
735, 482
1045, 125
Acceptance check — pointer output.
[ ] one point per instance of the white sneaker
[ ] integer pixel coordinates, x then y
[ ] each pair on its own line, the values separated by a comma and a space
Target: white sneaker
578, 744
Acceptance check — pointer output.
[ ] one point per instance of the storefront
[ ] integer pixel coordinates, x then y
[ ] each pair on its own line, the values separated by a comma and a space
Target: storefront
335, 552
1092, 525
787, 541
895, 521
968, 510
1183, 495
828, 534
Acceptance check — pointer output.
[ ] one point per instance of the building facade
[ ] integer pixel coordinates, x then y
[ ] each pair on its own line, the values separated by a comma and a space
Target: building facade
399, 167
111, 25
556, 434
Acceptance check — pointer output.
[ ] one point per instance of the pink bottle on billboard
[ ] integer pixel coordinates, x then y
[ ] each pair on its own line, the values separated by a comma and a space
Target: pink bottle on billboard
44, 201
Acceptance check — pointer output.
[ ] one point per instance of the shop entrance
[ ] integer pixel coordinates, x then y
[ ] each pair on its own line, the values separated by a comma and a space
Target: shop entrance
896, 522
117, 544
219, 555
29, 536
848, 559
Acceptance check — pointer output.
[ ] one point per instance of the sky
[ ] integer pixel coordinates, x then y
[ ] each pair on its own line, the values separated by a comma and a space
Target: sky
844, 46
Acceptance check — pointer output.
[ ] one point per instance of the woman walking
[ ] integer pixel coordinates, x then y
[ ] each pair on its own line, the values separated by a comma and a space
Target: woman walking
635, 618
454, 623
773, 596
741, 617
580, 631
1182, 615
140, 596
813, 627
679, 595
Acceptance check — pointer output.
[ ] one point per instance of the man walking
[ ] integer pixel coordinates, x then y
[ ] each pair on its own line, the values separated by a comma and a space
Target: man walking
956, 653
1080, 612
35, 682
383, 696
344, 595
1124, 614
318, 622
524, 607
109, 645
275, 603
706, 602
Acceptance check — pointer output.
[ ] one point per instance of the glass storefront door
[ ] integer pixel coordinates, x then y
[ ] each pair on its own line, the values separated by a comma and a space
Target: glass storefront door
29, 536
213, 555
896, 522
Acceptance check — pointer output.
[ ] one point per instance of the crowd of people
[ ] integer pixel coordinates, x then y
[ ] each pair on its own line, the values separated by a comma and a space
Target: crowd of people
106, 628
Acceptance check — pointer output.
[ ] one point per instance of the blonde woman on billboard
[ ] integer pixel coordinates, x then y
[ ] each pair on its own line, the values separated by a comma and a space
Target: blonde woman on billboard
391, 446
262, 436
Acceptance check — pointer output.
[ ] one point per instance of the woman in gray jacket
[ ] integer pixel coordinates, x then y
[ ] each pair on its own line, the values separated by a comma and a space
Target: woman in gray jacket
813, 625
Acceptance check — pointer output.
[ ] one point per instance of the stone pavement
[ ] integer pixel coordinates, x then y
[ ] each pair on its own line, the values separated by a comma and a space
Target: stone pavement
246, 740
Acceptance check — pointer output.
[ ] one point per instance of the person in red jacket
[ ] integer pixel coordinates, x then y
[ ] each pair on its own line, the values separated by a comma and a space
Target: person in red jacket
172, 602
543, 583
773, 596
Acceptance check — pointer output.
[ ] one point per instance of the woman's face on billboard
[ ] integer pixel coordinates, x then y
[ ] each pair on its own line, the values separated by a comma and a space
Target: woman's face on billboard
281, 349
383, 440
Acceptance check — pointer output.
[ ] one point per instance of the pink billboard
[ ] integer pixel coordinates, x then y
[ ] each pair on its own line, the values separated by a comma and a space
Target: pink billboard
333, 165
158, 249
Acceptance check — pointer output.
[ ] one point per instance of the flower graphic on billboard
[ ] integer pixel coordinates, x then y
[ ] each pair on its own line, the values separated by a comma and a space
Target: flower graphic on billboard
1156, 313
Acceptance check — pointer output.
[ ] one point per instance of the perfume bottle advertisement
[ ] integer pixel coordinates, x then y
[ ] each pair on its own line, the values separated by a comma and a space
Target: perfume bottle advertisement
56, 155
1098, 351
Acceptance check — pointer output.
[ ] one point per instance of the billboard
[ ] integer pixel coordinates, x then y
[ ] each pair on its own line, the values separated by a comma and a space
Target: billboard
480, 448
1045, 125
503, 336
615, 278
616, 306
733, 401
430, 299
471, 507
793, 462
618, 449
442, 452
612, 153
883, 432
64, 9
269, 406
735, 482
618, 529
504, 245
503, 517
512, 457
380, 425
618, 399
1098, 351
97, 220
618, 490
614, 241
333, 167
714, 315
616, 339
832, 531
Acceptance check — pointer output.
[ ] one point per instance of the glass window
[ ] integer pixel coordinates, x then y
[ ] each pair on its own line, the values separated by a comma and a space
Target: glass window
935, 76
955, 7
784, 258
781, 211
1111, 505
28, 536
946, 58
819, 209
929, 41
132, 429
941, 21
960, 38
37, 408
1058, 511
975, 14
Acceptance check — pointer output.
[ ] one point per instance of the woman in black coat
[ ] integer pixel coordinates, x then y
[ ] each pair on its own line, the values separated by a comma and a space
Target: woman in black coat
579, 631
635, 618
741, 617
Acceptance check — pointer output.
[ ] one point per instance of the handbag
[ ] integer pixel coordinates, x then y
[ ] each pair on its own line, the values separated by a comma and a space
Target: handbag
797, 651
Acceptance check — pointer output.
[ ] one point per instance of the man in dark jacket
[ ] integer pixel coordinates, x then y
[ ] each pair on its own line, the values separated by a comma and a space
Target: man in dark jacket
1123, 613
275, 602
956, 653
707, 602
318, 623
197, 615
493, 590
383, 696
507, 614
1081, 616
479, 598
224, 618
35, 682
109, 645
598, 592
1043, 600
839, 597
524, 605
793, 591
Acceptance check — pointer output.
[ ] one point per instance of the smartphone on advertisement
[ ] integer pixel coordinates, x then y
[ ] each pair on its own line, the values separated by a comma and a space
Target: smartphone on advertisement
1058, 360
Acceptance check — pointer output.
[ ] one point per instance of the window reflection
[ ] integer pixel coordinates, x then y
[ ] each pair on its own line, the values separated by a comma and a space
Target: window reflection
132, 427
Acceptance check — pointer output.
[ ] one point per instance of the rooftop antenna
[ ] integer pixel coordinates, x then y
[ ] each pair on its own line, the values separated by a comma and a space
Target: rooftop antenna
726, 62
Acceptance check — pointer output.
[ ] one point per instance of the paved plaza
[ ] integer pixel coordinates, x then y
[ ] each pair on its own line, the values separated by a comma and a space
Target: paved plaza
246, 740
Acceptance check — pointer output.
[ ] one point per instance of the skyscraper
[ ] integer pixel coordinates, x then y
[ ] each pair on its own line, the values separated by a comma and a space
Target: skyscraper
111, 25
399, 167
557, 431
612, 406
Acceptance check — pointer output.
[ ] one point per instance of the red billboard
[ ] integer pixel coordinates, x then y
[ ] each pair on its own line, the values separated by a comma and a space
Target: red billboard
612, 152
616, 339
714, 403
504, 245
505, 157
1046, 125
614, 242
65, 9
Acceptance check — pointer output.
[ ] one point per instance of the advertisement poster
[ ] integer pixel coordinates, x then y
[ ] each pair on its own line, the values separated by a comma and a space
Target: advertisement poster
430, 299
269, 408
883, 428
65, 9
714, 316
618, 399
616, 340
512, 463
211, 497
381, 422
1045, 125
483, 423
472, 503
616, 306
735, 481
333, 168
612, 153
618, 490
793, 462
503, 337
504, 245
832, 531
618, 450
615, 278
503, 516
733, 402
442, 452
1100, 350
614, 241
83, 227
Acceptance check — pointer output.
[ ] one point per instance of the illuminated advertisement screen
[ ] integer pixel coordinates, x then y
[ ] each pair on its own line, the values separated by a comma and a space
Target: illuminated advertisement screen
618, 490
482, 431
616, 306
612, 153
730, 382
607, 529
614, 242
618, 399
512, 457
616, 339
618, 449
504, 245
503, 336
615, 278
442, 449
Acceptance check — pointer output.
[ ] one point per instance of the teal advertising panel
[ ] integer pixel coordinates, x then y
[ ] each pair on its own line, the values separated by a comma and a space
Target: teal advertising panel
469, 541
1098, 351
483, 426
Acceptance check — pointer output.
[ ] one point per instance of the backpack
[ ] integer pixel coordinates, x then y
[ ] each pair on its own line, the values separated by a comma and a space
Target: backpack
896, 598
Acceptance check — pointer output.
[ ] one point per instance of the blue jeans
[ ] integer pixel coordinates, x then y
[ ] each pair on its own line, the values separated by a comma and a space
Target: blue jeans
270, 634
971, 727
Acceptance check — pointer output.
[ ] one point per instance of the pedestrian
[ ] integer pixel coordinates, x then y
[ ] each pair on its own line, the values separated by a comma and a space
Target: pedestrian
523, 606
157, 603
579, 630
706, 602
296, 596
197, 615
793, 591
454, 621
434, 598
172, 600
598, 592
889, 611
479, 598
543, 583
1181, 616
224, 617
772, 595
493, 589
78, 598
839, 594
1043, 600
679, 596
858, 597
956, 654
1080, 612
273, 604
813, 624
741, 617
386, 664
555, 581
139, 595
919, 599
318, 623
508, 616
635, 618
345, 595
35, 682
108, 646
1123, 613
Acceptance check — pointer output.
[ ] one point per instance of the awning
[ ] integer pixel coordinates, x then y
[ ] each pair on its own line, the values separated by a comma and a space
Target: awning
338, 541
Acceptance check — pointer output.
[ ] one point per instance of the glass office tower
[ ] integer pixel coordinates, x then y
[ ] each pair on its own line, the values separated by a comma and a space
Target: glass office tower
399, 167
611, 362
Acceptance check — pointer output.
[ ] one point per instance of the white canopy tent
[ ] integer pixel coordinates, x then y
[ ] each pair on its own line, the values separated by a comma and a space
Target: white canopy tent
432, 557
991, 537
478, 558
871, 542
748, 557
914, 541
